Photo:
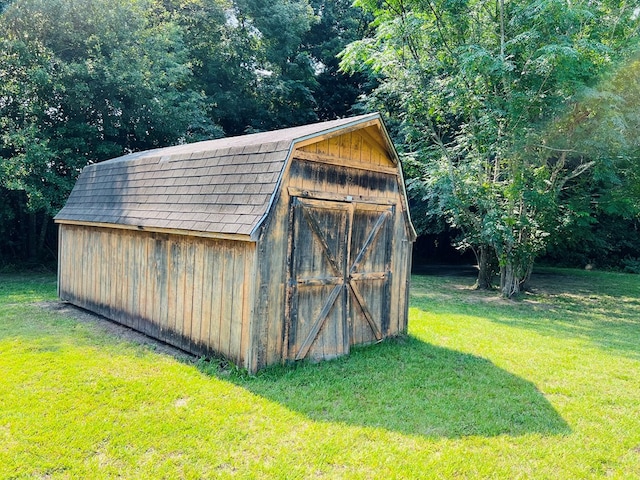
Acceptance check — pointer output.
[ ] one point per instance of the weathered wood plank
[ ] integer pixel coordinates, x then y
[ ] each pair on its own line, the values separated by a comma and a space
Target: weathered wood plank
247, 302
129, 261
64, 280
338, 197
322, 146
162, 280
119, 269
226, 313
379, 150
345, 142
217, 294
61, 259
356, 147
94, 238
188, 298
207, 293
336, 160
181, 274
198, 279
114, 264
174, 263
152, 288
171, 231
343, 131
237, 320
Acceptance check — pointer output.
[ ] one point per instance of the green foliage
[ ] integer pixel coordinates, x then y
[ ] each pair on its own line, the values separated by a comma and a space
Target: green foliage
631, 265
254, 73
79, 85
506, 103
339, 24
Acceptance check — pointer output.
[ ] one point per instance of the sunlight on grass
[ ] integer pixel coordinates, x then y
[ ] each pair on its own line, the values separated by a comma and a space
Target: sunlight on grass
545, 386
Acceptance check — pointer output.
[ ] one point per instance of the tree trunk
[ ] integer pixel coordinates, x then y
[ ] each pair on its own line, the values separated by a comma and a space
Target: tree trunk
514, 278
486, 268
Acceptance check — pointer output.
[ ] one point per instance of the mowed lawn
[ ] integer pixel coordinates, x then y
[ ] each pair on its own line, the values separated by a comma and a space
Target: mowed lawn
547, 386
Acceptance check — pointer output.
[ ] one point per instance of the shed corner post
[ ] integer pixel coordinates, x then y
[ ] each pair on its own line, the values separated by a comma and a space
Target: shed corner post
59, 268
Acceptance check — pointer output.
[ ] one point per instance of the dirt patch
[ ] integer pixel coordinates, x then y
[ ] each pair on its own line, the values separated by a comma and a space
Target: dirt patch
115, 330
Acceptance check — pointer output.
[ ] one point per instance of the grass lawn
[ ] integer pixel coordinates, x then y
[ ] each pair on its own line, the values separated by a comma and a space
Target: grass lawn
544, 387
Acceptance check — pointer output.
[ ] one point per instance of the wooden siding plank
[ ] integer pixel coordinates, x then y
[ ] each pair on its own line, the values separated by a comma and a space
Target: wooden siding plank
115, 267
63, 273
366, 152
198, 279
70, 239
187, 320
226, 310
271, 316
180, 291
322, 146
107, 271
248, 254
172, 231
379, 151
160, 284
153, 287
174, 267
319, 138
344, 142
78, 267
126, 266
93, 238
339, 197
165, 258
150, 300
60, 261
207, 292
356, 147
143, 288
94, 273
237, 297
141, 282
217, 295
345, 162
83, 272
91, 283
133, 284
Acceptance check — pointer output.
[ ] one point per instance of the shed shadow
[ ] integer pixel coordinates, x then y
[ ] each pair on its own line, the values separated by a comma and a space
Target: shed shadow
408, 386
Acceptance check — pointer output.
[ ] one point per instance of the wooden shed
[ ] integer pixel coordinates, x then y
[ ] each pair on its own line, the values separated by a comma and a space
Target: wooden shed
265, 248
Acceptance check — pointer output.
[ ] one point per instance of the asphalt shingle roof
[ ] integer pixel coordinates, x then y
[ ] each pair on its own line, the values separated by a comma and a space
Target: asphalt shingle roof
217, 186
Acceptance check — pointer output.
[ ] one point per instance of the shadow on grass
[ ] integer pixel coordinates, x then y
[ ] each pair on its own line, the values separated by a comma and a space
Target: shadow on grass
603, 309
411, 387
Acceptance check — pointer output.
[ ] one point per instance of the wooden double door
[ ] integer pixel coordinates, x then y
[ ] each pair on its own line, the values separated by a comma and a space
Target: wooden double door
339, 277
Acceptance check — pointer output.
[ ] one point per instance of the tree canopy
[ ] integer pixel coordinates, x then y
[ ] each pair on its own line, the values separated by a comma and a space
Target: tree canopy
517, 121
499, 105
82, 81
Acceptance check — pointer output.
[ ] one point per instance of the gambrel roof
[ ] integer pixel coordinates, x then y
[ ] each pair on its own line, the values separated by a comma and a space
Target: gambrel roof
223, 186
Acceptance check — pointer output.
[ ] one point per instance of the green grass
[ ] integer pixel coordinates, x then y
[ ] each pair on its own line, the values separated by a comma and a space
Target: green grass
547, 386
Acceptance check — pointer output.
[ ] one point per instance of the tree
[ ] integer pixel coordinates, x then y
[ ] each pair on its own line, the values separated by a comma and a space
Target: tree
335, 92
80, 85
607, 204
494, 99
249, 61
